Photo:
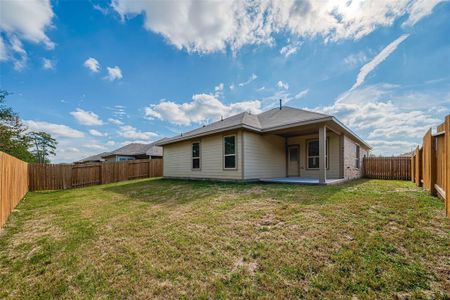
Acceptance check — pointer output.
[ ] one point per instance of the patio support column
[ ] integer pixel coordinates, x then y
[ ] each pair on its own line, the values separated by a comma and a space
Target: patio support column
322, 153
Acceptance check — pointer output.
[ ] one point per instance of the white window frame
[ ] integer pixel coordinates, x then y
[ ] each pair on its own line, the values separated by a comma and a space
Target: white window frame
327, 152
235, 152
196, 157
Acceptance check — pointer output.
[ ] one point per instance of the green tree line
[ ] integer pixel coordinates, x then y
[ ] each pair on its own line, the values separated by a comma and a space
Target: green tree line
18, 141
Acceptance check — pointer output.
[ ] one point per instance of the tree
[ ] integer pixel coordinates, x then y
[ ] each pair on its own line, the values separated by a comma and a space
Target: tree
13, 137
44, 146
17, 141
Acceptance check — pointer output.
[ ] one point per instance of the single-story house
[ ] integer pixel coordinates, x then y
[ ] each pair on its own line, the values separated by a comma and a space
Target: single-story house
281, 144
128, 152
93, 159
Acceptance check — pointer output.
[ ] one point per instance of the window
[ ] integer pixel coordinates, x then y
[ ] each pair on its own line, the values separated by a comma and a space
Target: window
123, 158
313, 154
229, 153
196, 156
357, 159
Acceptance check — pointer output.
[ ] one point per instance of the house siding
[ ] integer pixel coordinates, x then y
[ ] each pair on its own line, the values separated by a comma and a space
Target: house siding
264, 156
350, 170
178, 159
334, 160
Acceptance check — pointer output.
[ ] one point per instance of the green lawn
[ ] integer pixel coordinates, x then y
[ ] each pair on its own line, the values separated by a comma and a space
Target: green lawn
178, 239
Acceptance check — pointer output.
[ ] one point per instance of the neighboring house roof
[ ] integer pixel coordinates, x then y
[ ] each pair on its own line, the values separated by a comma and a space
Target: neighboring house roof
133, 149
137, 149
97, 157
267, 121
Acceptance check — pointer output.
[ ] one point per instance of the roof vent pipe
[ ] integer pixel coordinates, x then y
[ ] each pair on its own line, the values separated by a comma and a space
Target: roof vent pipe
281, 103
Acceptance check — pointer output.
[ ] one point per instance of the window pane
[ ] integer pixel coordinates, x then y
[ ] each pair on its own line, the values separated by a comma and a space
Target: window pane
313, 148
196, 163
230, 145
313, 162
230, 162
195, 150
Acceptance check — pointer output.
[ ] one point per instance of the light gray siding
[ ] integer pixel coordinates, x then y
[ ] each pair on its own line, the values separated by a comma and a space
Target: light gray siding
264, 156
333, 160
178, 159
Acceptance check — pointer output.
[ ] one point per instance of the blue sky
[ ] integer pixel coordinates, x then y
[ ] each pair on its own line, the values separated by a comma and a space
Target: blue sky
97, 75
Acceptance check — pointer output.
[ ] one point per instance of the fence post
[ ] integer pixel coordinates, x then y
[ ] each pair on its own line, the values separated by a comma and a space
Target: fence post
447, 169
433, 162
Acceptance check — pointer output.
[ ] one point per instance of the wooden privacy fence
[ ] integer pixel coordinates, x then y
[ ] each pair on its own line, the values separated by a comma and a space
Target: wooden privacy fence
18, 177
395, 167
65, 176
13, 184
430, 163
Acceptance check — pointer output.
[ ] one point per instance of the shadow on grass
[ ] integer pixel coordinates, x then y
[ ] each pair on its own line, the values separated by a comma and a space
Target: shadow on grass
172, 192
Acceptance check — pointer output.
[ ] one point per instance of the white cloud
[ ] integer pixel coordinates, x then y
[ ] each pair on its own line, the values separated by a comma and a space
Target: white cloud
115, 121
207, 26
386, 113
48, 64
118, 112
371, 65
289, 49
3, 51
218, 90
57, 130
110, 143
232, 86
282, 85
95, 147
203, 107
97, 133
24, 21
252, 78
114, 73
86, 117
219, 87
92, 64
355, 59
301, 94
419, 9
131, 132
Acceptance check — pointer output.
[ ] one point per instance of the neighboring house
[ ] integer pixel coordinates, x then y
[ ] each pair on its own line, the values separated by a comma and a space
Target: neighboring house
135, 151
93, 159
128, 152
282, 144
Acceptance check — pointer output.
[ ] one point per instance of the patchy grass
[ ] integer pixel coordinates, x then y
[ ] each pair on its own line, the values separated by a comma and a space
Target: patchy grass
178, 239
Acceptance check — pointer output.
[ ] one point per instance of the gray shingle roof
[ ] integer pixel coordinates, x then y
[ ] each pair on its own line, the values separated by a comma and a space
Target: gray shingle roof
268, 119
137, 149
93, 158
130, 149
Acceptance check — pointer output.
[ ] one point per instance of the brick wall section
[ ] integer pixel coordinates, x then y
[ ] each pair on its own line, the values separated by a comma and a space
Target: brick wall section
350, 170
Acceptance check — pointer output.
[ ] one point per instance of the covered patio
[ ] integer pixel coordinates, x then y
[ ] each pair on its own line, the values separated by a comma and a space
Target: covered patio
302, 180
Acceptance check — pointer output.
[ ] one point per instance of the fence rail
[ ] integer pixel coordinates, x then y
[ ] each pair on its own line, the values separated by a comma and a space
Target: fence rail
431, 163
395, 168
65, 176
13, 184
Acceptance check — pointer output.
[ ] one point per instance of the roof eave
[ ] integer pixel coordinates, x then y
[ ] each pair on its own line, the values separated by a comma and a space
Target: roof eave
206, 133
351, 132
295, 124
